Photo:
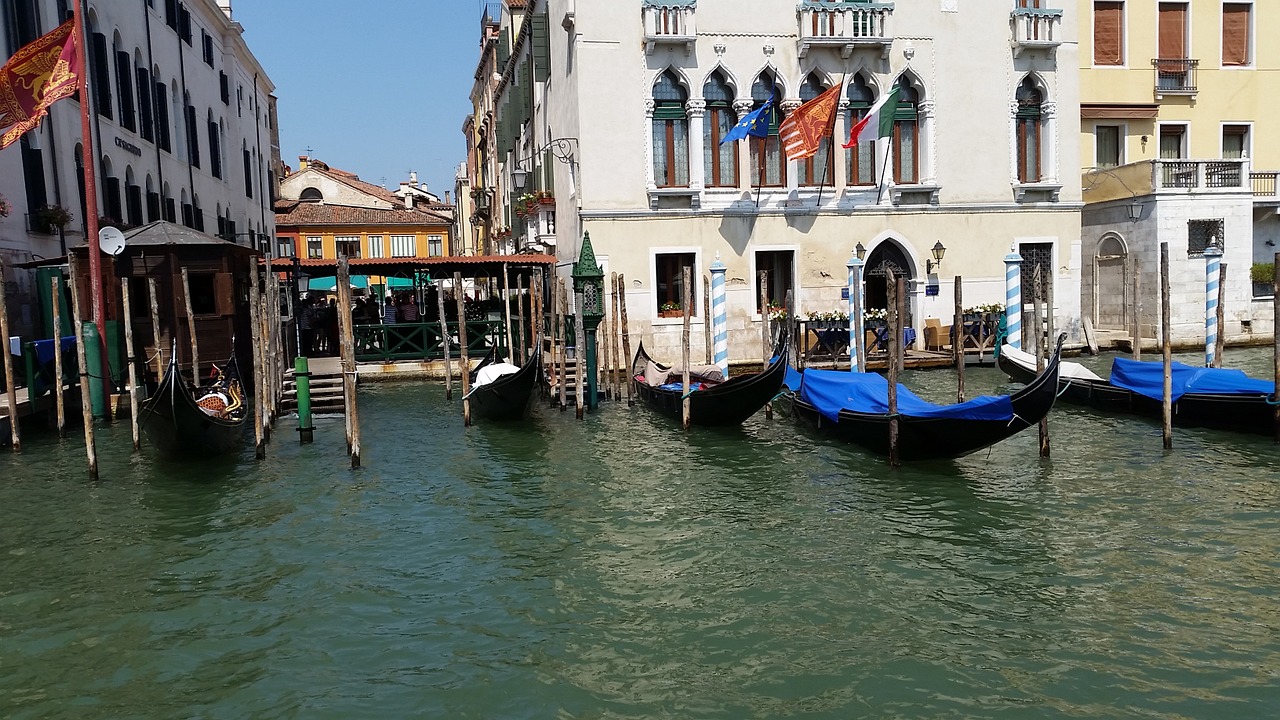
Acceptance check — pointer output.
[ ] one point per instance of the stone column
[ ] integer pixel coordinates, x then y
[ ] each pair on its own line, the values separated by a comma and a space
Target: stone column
1012, 298
745, 177
697, 111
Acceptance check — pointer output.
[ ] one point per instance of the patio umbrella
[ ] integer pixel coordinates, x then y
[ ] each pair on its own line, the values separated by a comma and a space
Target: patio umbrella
328, 284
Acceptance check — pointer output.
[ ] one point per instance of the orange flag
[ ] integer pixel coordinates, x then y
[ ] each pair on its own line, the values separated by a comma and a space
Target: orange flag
37, 76
808, 124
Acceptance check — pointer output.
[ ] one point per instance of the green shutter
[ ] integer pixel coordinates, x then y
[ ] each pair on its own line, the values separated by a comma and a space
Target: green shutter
541, 48
504, 49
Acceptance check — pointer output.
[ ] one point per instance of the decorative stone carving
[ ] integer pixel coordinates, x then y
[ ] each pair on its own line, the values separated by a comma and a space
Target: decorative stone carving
768, 50
696, 108
1049, 110
720, 48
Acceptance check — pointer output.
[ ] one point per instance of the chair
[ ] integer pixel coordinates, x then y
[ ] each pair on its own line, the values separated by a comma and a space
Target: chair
936, 335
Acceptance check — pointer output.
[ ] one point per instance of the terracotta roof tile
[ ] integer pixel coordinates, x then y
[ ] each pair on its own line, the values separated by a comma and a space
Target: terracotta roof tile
309, 213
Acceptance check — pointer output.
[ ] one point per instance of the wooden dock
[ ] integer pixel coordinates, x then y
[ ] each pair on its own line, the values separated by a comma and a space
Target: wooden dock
43, 405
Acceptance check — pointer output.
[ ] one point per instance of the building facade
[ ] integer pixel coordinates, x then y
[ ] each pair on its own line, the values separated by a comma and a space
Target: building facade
183, 119
614, 112
1179, 146
326, 213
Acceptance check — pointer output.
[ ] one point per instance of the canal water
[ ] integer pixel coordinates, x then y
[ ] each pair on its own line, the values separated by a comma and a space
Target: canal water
619, 568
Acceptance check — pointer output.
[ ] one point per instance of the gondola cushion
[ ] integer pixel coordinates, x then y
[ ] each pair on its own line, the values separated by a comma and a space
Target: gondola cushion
831, 391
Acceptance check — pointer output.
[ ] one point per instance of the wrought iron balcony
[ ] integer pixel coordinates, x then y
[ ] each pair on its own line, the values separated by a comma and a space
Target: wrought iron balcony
669, 22
1175, 76
1200, 175
1264, 184
1036, 28
845, 26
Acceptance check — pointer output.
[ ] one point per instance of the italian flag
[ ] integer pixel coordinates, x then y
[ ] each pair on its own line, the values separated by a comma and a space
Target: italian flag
879, 117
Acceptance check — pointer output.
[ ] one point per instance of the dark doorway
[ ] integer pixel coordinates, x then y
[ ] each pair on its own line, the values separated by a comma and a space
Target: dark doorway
886, 256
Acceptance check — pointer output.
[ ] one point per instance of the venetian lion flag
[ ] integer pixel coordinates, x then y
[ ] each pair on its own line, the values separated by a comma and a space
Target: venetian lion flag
37, 76
879, 117
807, 126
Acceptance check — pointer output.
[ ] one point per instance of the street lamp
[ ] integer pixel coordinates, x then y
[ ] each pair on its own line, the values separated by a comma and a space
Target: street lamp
861, 251
1135, 210
519, 178
938, 251
588, 289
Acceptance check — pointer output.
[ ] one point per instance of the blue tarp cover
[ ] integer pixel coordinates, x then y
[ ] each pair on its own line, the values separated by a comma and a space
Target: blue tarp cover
1147, 378
833, 390
793, 379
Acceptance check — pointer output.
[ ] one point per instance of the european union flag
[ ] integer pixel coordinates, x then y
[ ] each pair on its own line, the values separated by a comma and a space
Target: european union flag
754, 123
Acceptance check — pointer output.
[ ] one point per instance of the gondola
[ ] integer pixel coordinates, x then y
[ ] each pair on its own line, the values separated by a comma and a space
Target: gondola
1220, 398
854, 407
501, 392
202, 423
714, 400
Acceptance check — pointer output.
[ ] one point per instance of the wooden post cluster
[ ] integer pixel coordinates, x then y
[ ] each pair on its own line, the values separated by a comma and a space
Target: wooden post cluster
687, 304
10, 382
86, 409
465, 369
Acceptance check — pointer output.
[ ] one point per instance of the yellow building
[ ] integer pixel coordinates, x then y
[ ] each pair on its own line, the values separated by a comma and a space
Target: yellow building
324, 213
1180, 146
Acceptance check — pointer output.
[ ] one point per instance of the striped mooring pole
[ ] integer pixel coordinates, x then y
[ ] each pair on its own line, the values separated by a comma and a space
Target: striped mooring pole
855, 310
1212, 261
719, 318
1013, 298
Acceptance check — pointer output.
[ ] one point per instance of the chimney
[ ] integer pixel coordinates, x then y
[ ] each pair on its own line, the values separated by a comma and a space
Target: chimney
413, 177
408, 195
446, 198
302, 162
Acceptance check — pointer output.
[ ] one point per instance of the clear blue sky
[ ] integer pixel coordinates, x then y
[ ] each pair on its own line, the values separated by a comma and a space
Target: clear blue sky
374, 87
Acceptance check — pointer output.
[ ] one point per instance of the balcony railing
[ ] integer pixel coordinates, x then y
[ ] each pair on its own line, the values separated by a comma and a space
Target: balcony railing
1200, 175
1036, 28
845, 26
669, 22
1264, 183
1175, 76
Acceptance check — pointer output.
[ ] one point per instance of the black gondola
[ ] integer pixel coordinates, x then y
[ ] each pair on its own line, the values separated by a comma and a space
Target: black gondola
925, 431
1245, 408
507, 397
716, 402
201, 423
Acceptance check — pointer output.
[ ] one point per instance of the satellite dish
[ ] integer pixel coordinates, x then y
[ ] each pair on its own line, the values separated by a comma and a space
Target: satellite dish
111, 241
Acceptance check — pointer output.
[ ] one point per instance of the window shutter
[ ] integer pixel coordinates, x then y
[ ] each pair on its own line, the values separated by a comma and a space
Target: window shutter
124, 88
224, 293
145, 117
1235, 33
1108, 33
101, 76
1173, 31
541, 48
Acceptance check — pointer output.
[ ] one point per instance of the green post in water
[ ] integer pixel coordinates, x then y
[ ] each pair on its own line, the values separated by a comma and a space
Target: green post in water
93, 361
588, 286
302, 382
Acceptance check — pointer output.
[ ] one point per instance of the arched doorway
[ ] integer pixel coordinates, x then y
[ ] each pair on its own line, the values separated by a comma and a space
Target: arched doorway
886, 256
1110, 284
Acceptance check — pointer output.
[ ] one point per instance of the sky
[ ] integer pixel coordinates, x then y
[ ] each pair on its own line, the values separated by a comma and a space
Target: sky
373, 87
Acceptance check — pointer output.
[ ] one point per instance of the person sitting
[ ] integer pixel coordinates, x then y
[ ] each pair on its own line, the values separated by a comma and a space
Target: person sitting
389, 312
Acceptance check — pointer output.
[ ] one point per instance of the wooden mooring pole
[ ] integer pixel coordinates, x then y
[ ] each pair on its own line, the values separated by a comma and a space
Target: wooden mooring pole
348, 350
765, 333
626, 339
579, 360
957, 338
1275, 341
256, 339
1221, 344
1136, 310
191, 329
615, 341
10, 382
465, 370
894, 286
521, 346
506, 308
687, 303
86, 407
1037, 296
130, 359
557, 344
153, 295
58, 372
706, 315
1166, 347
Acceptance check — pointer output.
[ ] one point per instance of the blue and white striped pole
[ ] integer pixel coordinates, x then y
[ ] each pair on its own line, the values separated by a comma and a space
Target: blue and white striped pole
719, 319
1212, 261
1013, 298
855, 310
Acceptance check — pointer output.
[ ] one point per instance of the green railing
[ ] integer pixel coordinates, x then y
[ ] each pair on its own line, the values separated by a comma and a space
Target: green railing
422, 341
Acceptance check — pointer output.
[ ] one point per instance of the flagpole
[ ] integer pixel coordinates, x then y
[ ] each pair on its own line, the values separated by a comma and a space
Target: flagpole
90, 197
884, 168
835, 111
763, 148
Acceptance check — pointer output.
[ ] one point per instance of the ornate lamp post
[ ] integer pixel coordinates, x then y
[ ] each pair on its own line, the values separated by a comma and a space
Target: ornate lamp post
588, 289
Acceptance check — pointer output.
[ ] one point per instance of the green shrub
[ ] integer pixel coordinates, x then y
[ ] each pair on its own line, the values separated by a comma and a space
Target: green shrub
1262, 272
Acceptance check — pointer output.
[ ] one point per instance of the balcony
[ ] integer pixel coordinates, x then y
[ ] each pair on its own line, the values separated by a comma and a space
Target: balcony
845, 26
1264, 184
1036, 29
1200, 175
670, 23
1175, 76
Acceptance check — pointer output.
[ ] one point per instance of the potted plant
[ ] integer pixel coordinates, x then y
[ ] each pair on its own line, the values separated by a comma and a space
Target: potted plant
1263, 277
875, 318
51, 218
670, 310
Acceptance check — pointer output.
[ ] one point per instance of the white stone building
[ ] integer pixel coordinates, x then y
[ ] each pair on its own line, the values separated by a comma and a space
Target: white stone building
626, 101
184, 128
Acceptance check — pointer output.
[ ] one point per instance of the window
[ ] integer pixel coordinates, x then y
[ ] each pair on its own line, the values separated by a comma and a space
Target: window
1108, 33
311, 194
1236, 30
206, 45
670, 133
1035, 255
771, 171
203, 298
315, 247
284, 247
1203, 233
1171, 141
1028, 131
721, 161
171, 13
33, 175
163, 138
215, 149
813, 170
184, 23
146, 118
861, 159
124, 89
101, 74
670, 289
223, 88
133, 203
906, 131
347, 246
248, 173
403, 246
1106, 143
779, 266
193, 137
375, 246
1235, 142
435, 245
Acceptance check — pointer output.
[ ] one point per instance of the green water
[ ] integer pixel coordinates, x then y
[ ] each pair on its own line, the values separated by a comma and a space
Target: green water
618, 568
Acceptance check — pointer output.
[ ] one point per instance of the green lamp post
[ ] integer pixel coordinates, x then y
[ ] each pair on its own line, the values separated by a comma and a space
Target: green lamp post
588, 288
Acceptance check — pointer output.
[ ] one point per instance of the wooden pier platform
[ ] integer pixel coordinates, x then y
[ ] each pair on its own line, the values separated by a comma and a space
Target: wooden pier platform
44, 404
